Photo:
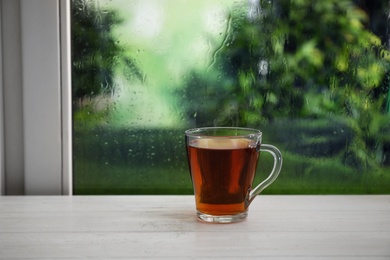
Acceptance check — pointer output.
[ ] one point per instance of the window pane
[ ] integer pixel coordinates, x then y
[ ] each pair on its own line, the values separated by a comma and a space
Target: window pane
313, 76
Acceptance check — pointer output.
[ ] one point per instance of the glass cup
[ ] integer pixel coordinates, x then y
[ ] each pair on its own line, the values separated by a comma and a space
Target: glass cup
223, 162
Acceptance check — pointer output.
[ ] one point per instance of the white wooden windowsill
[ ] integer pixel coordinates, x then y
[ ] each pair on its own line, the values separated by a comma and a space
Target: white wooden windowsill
278, 227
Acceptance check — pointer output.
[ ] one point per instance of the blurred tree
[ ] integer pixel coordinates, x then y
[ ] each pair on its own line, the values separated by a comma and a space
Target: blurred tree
96, 53
377, 12
305, 59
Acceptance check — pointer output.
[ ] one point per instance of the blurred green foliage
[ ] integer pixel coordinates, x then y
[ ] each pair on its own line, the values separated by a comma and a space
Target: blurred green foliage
314, 76
96, 53
301, 59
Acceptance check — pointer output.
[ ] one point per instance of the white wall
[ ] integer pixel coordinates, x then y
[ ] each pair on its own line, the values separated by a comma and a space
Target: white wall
36, 97
12, 98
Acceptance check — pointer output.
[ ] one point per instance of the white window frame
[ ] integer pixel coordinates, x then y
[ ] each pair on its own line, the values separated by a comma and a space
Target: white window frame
35, 98
2, 185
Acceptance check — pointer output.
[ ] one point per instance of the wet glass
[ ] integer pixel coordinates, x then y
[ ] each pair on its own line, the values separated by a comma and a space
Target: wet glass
313, 76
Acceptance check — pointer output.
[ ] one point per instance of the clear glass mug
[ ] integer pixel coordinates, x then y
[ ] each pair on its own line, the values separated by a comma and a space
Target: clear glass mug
223, 162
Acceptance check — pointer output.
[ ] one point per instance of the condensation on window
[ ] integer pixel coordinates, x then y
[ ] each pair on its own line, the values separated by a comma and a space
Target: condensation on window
312, 76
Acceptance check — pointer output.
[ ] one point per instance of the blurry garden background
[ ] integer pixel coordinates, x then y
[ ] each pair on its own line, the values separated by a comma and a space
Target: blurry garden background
314, 76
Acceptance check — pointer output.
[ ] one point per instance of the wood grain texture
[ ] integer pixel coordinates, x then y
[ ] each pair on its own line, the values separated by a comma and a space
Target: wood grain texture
158, 227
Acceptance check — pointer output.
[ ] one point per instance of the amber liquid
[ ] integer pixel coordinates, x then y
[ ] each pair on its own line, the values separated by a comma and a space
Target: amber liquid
222, 173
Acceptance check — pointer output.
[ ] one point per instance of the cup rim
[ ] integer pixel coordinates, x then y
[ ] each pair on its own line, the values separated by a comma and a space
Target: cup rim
200, 131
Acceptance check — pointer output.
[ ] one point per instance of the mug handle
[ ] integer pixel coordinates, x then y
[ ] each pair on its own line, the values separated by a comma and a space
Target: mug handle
278, 161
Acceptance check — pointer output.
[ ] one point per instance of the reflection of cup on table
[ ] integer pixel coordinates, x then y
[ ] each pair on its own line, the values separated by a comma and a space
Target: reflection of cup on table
223, 162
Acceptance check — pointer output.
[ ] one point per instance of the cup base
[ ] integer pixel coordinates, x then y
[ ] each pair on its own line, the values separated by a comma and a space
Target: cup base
222, 219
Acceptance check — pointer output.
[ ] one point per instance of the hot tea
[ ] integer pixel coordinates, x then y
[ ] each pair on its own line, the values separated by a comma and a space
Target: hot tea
223, 162
222, 171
